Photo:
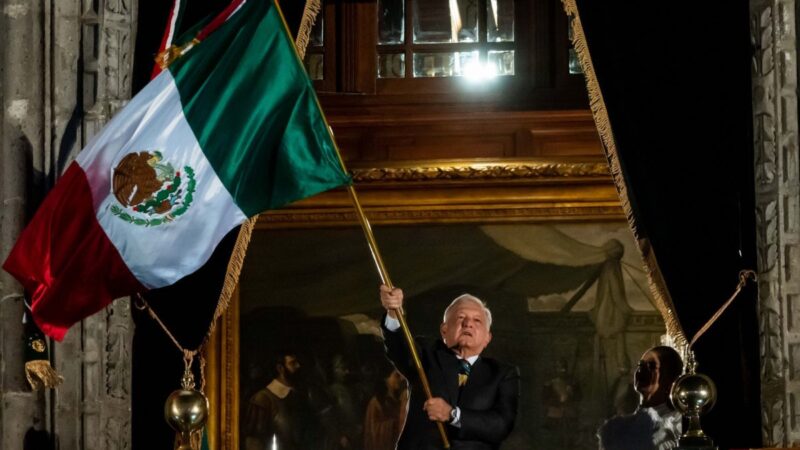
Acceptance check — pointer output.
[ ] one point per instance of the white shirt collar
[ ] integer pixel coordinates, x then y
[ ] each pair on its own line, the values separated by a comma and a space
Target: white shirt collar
279, 389
471, 360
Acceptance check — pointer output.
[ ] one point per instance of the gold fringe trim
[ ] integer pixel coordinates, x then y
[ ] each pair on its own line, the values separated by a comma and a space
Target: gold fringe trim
234, 270
41, 374
655, 279
310, 12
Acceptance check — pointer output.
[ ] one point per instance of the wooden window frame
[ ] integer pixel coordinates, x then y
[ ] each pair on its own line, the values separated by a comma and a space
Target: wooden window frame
541, 80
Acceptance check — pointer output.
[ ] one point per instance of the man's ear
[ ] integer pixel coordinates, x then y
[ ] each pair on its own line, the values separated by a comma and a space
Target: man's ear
443, 330
488, 337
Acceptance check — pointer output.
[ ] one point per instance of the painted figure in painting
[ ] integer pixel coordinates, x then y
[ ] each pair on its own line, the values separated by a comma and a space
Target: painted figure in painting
476, 398
561, 396
344, 425
278, 416
655, 425
386, 412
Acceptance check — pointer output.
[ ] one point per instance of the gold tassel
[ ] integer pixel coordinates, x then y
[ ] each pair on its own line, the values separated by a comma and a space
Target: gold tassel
195, 441
41, 374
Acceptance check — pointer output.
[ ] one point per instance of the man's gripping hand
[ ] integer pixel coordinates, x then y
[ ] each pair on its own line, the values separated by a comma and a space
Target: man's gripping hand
391, 299
438, 410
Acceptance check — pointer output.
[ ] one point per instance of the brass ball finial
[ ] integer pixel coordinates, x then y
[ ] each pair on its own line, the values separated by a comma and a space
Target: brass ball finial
186, 411
693, 394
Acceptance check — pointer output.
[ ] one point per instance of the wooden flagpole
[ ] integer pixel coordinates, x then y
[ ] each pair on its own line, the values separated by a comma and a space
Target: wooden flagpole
376, 256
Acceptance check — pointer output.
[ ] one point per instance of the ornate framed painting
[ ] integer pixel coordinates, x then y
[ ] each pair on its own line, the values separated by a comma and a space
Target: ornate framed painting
543, 242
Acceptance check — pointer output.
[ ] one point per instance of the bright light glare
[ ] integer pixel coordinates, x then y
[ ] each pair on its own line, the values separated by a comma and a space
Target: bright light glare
476, 72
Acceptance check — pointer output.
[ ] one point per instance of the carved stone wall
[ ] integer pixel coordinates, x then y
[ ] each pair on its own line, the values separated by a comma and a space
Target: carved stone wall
108, 33
66, 69
21, 141
775, 125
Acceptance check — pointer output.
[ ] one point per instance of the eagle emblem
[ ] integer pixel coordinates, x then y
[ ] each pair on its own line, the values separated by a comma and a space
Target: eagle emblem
150, 191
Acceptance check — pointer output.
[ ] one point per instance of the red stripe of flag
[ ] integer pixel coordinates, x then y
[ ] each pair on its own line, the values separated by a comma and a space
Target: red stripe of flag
65, 260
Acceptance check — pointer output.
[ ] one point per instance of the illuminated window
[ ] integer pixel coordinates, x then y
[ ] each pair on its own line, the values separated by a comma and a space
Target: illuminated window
445, 38
447, 52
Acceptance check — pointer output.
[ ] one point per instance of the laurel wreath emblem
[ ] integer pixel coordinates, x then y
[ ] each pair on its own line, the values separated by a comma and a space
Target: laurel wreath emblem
150, 191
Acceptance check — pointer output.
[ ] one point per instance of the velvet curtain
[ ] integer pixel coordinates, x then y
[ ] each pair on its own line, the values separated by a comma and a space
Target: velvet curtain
670, 90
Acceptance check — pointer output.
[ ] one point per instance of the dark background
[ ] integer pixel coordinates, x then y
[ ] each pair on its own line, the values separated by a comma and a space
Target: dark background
676, 81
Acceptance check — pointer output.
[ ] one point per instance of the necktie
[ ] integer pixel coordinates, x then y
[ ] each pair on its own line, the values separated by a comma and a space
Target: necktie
463, 372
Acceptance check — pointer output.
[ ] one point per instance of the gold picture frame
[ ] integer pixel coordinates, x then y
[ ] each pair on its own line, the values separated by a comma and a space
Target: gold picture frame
532, 190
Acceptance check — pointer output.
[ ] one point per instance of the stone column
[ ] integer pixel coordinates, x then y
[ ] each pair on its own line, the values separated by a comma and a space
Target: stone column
775, 127
23, 165
66, 68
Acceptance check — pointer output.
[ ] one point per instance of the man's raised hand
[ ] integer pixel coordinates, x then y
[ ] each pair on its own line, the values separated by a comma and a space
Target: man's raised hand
391, 299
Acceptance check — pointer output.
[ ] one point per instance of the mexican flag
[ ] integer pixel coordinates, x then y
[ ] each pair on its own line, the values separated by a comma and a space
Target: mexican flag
233, 128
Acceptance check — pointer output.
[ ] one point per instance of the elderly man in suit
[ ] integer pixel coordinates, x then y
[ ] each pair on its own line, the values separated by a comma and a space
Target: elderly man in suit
473, 396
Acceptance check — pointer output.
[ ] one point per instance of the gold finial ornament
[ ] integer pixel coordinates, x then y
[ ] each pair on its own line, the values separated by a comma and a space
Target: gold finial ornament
173, 52
693, 394
186, 411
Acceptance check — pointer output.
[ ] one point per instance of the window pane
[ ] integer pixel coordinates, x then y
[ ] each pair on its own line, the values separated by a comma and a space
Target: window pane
392, 66
501, 62
574, 64
438, 21
500, 20
575, 67
443, 64
313, 63
391, 21
317, 38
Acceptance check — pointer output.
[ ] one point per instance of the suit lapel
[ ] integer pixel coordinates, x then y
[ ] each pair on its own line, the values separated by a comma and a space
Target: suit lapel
449, 364
478, 376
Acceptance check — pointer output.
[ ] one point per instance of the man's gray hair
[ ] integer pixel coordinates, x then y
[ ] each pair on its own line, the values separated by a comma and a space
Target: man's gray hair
469, 298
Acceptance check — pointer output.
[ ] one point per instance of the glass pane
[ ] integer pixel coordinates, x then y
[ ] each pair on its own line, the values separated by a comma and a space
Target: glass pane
444, 64
501, 62
317, 38
313, 63
574, 64
500, 20
391, 21
569, 29
438, 21
392, 66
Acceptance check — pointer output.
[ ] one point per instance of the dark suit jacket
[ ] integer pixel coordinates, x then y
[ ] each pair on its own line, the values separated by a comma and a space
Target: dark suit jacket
488, 401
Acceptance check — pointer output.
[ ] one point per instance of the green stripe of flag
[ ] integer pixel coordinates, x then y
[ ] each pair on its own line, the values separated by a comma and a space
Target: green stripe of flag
254, 112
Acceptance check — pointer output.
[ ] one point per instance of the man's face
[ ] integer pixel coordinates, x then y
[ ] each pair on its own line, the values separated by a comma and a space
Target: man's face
290, 368
466, 329
647, 379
